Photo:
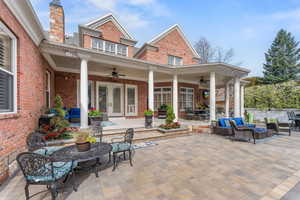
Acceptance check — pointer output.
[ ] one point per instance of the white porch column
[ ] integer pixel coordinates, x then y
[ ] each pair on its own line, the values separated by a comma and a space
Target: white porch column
227, 100
150, 90
175, 96
242, 101
212, 96
84, 92
237, 111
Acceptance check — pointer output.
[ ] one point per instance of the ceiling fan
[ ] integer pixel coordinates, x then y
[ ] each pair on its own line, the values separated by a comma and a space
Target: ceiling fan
203, 81
115, 73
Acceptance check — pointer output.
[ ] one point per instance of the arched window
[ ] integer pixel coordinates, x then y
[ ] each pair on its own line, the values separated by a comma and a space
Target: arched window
8, 60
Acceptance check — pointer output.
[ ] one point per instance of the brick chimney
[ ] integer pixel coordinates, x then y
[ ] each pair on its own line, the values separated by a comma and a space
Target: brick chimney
57, 22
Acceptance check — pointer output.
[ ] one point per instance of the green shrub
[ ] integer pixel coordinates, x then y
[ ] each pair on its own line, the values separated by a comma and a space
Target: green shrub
282, 95
148, 112
170, 115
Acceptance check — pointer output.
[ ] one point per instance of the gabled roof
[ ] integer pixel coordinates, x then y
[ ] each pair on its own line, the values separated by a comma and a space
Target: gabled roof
106, 18
169, 30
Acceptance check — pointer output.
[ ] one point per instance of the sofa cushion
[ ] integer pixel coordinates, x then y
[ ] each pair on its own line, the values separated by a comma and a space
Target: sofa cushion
250, 125
116, 147
224, 123
239, 121
48, 150
60, 170
271, 120
260, 130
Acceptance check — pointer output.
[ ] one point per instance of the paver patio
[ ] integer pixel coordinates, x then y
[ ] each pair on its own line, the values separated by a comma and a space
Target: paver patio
190, 168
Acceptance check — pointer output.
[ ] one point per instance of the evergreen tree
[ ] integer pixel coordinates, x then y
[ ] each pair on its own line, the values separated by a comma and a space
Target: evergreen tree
282, 59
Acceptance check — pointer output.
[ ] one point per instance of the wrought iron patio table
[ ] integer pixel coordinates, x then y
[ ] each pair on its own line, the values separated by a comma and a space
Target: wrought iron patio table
70, 153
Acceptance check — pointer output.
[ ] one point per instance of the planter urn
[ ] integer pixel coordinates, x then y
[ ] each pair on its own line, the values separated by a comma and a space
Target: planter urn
148, 121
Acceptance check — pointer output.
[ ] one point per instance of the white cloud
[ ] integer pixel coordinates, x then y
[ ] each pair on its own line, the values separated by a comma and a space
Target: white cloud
105, 4
132, 13
140, 2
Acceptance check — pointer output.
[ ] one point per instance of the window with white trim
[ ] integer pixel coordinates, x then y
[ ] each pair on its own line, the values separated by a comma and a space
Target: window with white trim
109, 47
7, 70
186, 98
174, 60
162, 95
47, 89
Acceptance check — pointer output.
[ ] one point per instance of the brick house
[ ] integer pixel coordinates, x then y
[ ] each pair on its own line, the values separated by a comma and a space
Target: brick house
100, 67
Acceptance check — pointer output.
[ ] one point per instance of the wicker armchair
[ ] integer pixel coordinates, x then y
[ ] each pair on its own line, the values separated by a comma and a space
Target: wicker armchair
122, 145
36, 143
276, 127
42, 170
242, 133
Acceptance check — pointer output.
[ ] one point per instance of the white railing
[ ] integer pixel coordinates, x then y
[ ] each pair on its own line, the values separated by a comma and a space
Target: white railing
131, 108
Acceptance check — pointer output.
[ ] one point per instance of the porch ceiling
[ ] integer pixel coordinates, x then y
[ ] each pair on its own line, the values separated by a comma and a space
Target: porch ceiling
67, 58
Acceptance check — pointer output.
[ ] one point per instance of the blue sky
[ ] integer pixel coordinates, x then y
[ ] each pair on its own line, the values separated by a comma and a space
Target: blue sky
247, 26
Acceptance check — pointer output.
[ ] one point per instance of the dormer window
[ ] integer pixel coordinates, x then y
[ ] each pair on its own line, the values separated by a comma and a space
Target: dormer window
174, 60
109, 47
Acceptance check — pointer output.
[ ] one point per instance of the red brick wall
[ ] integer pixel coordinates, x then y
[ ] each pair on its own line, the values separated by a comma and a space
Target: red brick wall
57, 24
171, 44
66, 85
109, 32
31, 68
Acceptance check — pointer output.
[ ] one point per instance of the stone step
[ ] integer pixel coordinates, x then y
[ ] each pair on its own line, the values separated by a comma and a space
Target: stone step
147, 135
122, 131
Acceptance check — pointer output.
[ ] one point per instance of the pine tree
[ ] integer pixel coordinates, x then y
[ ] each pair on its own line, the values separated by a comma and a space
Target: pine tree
282, 59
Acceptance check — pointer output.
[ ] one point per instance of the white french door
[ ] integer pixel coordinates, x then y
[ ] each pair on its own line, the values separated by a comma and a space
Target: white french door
110, 98
131, 98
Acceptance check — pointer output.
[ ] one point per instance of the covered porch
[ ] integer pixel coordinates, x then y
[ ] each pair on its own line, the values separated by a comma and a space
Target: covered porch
82, 78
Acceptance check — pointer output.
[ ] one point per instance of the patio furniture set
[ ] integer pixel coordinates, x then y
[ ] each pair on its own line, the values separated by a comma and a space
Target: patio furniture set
53, 166
196, 114
237, 129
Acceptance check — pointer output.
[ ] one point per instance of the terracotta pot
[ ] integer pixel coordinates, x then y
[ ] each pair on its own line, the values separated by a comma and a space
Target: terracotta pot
81, 147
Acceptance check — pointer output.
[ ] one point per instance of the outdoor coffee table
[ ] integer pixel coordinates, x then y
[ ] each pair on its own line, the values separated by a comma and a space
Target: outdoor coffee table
70, 153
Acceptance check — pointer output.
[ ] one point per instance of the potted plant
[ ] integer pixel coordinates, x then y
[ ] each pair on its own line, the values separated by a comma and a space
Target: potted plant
162, 111
148, 118
83, 141
169, 123
95, 115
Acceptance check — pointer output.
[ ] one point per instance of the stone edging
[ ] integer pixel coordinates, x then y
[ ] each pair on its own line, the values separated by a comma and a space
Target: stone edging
282, 189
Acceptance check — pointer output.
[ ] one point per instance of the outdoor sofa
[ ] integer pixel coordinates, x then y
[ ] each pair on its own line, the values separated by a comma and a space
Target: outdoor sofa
223, 127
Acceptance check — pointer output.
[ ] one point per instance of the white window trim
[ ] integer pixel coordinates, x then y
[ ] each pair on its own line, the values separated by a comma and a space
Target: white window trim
104, 46
174, 60
110, 86
13, 67
49, 87
92, 93
136, 100
155, 109
181, 109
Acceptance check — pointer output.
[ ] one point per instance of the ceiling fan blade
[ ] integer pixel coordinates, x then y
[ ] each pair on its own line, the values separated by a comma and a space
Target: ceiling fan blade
121, 75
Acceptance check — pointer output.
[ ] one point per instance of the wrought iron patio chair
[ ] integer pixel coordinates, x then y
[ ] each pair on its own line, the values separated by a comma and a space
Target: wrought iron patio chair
277, 127
122, 145
42, 170
97, 129
242, 133
295, 121
36, 143
189, 114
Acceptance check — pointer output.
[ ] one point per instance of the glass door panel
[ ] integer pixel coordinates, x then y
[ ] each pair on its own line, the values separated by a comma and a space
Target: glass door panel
117, 106
103, 94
